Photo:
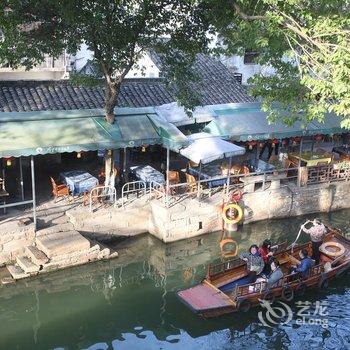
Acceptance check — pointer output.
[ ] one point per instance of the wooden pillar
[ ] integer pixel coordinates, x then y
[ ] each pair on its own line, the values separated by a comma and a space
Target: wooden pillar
228, 177
299, 164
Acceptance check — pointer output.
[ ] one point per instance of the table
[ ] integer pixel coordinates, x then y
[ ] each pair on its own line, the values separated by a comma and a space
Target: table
343, 151
79, 181
259, 166
148, 174
208, 172
310, 159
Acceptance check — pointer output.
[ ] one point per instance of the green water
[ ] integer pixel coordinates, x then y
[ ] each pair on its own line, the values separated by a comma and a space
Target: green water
130, 302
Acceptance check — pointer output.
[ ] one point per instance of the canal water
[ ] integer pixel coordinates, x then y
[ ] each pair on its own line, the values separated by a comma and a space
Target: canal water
130, 302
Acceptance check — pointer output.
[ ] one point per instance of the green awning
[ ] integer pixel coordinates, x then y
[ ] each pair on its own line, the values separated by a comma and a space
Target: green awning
245, 124
32, 133
172, 137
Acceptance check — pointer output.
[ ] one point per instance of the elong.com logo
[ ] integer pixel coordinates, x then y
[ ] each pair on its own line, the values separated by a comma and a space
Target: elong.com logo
313, 314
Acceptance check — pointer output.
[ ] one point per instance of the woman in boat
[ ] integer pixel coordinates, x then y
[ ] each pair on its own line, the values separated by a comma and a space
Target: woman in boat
255, 263
266, 253
317, 233
305, 265
275, 275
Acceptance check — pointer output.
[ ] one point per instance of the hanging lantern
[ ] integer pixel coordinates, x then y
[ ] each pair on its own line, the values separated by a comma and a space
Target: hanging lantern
79, 155
274, 142
296, 140
261, 144
143, 149
8, 161
251, 144
319, 138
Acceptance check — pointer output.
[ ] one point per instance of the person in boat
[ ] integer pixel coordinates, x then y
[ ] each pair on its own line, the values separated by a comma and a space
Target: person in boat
266, 253
306, 263
275, 275
255, 263
317, 233
273, 278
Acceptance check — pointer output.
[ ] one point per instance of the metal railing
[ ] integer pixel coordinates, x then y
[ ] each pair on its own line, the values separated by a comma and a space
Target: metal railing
134, 187
102, 192
207, 187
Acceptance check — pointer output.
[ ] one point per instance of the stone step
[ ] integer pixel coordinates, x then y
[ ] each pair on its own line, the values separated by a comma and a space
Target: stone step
36, 255
16, 272
26, 264
62, 243
54, 229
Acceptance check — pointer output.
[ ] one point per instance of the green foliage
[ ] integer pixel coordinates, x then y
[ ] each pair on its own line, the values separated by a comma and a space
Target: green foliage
306, 42
117, 31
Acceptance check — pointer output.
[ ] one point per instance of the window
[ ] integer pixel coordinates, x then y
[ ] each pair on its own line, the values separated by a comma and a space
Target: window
250, 56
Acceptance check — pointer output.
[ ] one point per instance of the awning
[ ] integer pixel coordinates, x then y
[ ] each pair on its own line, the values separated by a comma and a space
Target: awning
250, 123
206, 148
176, 114
32, 133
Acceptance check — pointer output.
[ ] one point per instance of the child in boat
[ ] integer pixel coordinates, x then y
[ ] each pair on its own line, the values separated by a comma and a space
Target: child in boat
255, 263
317, 233
305, 265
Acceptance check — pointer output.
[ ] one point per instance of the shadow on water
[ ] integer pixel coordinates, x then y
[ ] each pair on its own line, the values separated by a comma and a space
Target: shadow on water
130, 302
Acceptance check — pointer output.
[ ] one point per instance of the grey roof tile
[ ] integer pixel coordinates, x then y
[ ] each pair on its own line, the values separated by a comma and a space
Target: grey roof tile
217, 85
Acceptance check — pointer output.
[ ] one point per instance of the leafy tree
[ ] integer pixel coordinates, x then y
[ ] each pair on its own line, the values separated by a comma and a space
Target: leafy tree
118, 32
306, 42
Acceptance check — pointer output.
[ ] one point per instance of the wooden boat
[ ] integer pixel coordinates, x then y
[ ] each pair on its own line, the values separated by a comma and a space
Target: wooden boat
224, 290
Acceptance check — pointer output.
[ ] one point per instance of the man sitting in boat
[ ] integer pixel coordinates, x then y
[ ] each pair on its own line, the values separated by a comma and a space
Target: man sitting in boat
305, 265
255, 263
317, 233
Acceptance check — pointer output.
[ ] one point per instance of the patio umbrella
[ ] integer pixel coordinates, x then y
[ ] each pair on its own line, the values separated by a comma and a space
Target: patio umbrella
205, 148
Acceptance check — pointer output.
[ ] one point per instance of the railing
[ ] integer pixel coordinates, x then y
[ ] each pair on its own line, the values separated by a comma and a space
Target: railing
134, 187
207, 187
102, 191
328, 173
214, 270
158, 190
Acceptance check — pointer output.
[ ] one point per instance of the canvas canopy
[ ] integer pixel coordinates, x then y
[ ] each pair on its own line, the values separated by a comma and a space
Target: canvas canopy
246, 123
32, 133
204, 148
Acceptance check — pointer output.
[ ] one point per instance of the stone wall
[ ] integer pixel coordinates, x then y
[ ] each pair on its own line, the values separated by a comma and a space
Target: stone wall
192, 218
14, 239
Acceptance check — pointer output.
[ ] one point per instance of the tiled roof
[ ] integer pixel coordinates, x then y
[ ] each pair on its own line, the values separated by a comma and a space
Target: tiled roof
217, 85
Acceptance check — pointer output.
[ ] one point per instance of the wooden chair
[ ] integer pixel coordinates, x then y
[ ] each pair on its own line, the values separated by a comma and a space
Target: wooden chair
191, 164
95, 198
191, 186
59, 190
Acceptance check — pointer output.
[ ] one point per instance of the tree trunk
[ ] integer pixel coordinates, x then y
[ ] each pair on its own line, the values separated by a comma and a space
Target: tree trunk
111, 97
112, 91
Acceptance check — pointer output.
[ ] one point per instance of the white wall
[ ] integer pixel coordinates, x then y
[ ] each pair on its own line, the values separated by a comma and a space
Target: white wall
236, 64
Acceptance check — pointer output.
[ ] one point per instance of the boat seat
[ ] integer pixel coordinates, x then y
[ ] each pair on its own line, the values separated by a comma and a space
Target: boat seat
231, 285
293, 260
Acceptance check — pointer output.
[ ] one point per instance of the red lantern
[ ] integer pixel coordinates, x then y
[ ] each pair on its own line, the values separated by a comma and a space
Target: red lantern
274, 142
252, 144
319, 138
296, 140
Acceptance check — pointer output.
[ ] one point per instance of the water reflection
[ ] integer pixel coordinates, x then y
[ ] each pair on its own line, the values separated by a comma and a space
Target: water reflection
130, 302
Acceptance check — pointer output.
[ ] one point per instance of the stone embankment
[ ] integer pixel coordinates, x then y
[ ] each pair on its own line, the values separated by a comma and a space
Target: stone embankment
54, 248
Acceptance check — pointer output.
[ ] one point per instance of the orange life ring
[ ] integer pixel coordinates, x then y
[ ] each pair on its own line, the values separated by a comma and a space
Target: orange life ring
236, 209
332, 249
228, 253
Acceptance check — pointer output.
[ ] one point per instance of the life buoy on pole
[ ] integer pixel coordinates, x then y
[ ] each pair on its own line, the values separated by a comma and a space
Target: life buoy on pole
227, 213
